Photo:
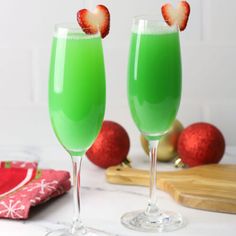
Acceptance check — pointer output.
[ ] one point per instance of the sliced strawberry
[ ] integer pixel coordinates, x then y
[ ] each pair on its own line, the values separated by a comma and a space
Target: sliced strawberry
177, 16
91, 21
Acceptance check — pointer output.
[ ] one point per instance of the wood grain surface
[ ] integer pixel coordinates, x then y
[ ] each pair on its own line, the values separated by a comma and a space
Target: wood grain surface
208, 187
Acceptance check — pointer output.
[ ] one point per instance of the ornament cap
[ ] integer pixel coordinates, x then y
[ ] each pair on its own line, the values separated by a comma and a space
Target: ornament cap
179, 163
126, 163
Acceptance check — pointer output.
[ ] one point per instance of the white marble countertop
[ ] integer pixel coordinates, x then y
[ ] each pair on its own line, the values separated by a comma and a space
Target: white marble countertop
103, 203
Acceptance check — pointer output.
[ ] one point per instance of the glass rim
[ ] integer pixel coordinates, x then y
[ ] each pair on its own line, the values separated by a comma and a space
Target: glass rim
62, 29
151, 17
145, 19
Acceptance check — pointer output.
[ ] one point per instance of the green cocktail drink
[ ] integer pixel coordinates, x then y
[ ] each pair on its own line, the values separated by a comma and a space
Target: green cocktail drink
154, 92
76, 89
154, 80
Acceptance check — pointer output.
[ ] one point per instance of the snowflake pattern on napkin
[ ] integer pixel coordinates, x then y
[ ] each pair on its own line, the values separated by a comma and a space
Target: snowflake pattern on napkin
45, 185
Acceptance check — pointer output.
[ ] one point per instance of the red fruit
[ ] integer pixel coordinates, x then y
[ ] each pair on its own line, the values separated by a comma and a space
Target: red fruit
90, 22
177, 16
111, 146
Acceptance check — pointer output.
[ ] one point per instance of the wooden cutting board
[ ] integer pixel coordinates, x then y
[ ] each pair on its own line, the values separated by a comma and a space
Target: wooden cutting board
208, 187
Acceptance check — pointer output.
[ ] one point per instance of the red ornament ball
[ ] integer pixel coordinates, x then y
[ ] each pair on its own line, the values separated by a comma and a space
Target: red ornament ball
111, 146
201, 143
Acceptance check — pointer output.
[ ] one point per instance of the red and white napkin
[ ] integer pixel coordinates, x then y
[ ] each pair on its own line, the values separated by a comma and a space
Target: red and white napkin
23, 186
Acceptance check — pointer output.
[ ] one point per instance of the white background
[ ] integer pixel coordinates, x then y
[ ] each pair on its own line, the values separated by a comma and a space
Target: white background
26, 26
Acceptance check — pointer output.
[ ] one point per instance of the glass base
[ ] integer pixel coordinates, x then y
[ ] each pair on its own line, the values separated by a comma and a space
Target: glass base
84, 232
163, 222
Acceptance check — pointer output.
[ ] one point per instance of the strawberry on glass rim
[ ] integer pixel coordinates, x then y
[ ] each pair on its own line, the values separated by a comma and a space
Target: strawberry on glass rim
91, 22
177, 15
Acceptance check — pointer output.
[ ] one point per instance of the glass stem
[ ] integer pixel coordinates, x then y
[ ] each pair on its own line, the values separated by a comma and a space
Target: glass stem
152, 208
77, 225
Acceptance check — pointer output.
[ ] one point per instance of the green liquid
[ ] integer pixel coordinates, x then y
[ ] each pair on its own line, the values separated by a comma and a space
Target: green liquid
77, 91
154, 81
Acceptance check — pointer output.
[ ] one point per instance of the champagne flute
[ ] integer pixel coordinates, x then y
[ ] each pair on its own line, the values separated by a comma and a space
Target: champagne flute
77, 94
154, 92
